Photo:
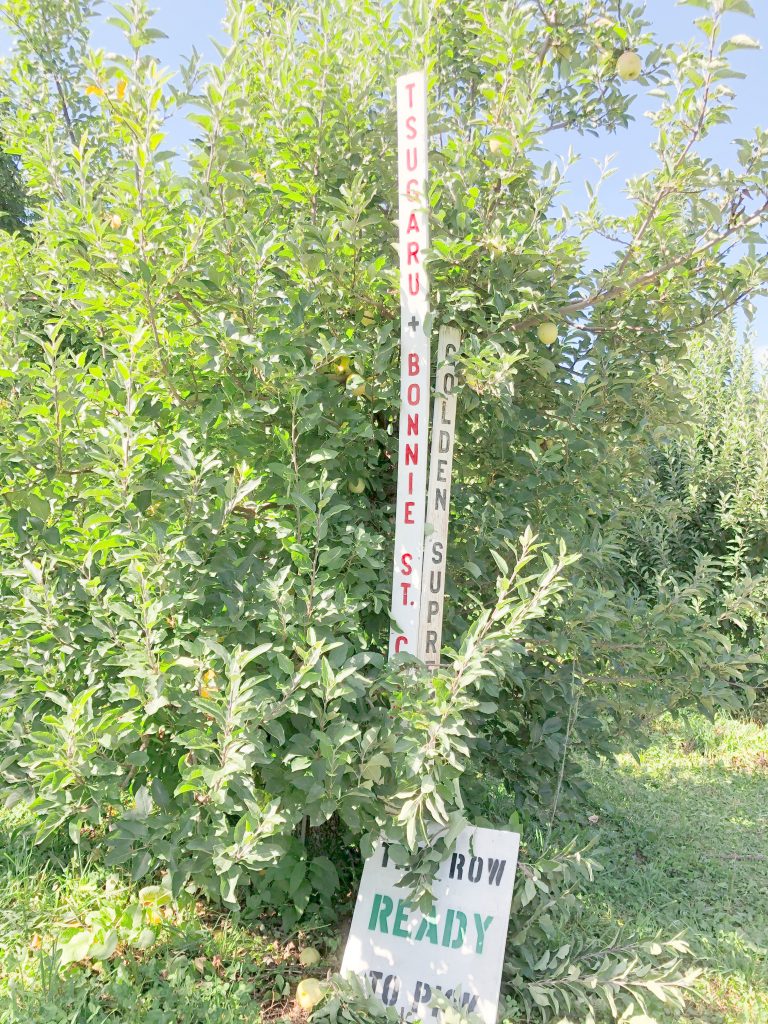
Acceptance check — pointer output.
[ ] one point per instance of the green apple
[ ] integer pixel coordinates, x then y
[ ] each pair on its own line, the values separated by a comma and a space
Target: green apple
343, 366
547, 333
629, 66
357, 486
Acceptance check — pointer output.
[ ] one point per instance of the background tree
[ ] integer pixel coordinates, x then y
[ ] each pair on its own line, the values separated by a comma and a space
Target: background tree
13, 212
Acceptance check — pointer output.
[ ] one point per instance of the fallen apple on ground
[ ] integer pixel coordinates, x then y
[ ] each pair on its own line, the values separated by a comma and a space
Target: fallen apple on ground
309, 992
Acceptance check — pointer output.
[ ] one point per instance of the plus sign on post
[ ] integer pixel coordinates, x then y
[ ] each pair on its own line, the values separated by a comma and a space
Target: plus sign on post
413, 224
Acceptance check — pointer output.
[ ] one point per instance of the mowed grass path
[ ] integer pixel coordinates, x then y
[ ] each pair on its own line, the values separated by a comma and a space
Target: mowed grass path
682, 834
683, 837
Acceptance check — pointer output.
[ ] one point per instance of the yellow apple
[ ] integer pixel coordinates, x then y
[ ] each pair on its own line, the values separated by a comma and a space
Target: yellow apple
547, 333
368, 317
357, 486
342, 366
309, 956
356, 385
309, 992
115, 221
629, 66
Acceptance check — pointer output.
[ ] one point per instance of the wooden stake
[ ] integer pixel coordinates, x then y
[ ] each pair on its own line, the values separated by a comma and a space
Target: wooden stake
438, 499
414, 361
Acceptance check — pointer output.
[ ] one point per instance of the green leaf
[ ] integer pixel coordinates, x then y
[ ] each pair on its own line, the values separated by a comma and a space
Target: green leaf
740, 42
103, 950
76, 948
146, 938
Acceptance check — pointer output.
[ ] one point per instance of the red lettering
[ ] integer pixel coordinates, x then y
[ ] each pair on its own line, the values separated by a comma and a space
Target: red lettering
405, 561
413, 394
405, 587
410, 127
412, 189
399, 642
412, 454
413, 253
413, 224
410, 483
411, 158
413, 423
413, 364
408, 508
409, 87
413, 283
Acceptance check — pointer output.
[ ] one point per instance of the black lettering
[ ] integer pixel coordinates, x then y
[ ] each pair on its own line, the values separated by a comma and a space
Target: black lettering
457, 866
435, 581
495, 870
391, 990
441, 500
421, 994
431, 641
442, 465
449, 382
435, 1009
475, 872
375, 977
443, 442
437, 552
432, 609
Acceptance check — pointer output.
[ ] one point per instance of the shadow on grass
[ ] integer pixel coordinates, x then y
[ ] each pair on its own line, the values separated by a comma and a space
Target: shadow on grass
684, 846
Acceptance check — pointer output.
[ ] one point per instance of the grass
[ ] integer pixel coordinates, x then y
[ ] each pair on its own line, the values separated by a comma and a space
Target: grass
202, 967
682, 834
683, 837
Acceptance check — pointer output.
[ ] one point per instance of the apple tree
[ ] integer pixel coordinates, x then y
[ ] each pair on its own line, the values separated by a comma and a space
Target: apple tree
198, 400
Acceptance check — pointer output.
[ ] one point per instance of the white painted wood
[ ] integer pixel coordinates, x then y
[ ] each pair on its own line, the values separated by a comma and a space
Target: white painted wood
438, 499
413, 224
407, 957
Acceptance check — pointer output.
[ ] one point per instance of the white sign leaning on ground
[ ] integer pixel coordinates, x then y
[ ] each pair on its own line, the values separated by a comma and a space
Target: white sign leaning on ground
413, 224
438, 499
407, 957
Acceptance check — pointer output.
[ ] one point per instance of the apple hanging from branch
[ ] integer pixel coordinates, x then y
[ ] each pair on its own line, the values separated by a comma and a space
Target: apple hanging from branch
629, 66
547, 333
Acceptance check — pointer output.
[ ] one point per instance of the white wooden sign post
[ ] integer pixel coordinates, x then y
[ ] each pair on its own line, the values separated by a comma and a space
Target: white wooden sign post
438, 499
457, 949
414, 362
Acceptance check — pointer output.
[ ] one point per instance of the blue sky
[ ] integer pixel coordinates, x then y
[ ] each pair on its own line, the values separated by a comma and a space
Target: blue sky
193, 23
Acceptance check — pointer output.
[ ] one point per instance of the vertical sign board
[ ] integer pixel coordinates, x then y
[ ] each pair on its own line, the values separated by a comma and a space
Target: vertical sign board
438, 499
413, 224
457, 949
